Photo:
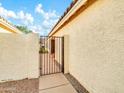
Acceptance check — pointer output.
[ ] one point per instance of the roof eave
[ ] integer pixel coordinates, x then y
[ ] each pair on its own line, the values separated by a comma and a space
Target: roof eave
78, 7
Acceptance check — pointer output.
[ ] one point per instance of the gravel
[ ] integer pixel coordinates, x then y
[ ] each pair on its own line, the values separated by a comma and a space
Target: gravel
76, 84
20, 86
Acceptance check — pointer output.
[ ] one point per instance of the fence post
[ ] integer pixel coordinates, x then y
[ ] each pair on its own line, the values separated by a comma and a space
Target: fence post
66, 54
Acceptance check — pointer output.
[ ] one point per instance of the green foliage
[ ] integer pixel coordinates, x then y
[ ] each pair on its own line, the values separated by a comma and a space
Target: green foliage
24, 29
43, 50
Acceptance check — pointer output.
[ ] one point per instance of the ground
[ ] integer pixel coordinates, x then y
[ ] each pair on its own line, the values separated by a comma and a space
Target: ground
21, 86
54, 83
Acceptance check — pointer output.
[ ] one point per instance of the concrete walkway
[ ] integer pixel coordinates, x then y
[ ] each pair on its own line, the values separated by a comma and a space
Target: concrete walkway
55, 83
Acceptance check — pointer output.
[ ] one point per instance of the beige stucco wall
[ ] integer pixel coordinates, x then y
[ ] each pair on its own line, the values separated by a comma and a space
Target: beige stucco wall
19, 57
96, 47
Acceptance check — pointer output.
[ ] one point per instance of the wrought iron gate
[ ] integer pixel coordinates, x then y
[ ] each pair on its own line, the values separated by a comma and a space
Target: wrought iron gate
51, 55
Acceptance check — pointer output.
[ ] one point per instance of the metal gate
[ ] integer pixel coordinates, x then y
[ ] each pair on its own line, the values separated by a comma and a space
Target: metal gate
51, 55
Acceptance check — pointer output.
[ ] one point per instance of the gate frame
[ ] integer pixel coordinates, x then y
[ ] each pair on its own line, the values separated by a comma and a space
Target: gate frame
62, 53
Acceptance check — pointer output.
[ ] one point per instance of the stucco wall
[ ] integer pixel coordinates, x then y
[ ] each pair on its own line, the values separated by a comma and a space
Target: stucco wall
19, 56
96, 47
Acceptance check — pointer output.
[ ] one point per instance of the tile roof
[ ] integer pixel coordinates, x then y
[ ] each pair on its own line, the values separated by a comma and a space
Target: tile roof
66, 11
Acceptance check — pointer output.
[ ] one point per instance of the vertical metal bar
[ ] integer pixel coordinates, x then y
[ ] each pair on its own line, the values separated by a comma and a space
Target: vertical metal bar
40, 57
49, 55
59, 54
60, 46
45, 54
44, 57
54, 55
56, 44
62, 54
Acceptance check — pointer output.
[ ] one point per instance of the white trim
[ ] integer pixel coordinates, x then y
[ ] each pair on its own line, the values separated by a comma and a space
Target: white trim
4, 31
10, 26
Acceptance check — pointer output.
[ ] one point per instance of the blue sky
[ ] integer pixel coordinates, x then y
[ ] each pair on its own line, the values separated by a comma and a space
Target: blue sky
38, 15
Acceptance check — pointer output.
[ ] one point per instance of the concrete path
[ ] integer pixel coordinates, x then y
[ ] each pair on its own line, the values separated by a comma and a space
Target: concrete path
55, 83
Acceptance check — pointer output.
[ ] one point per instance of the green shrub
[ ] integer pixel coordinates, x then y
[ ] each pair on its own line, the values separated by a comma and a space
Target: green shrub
43, 50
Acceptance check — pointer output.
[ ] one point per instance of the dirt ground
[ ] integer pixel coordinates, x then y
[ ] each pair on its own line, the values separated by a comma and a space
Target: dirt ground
21, 86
